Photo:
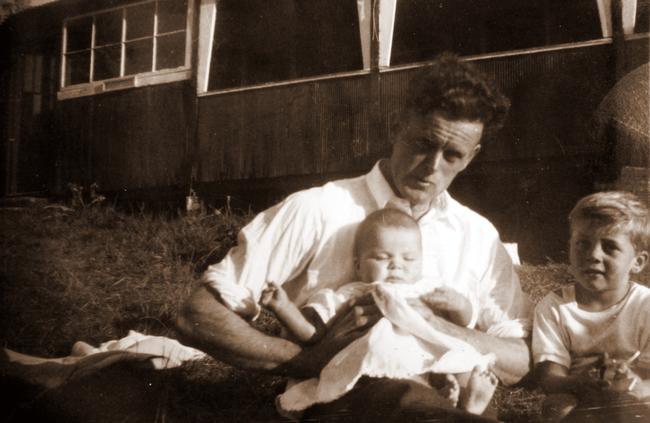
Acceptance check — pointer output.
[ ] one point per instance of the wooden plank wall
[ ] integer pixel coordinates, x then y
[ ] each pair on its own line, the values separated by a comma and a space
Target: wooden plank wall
132, 139
302, 129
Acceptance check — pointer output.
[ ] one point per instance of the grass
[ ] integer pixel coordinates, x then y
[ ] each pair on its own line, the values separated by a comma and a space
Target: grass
93, 273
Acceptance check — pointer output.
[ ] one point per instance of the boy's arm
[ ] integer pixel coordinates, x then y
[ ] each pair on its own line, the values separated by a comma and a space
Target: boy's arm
555, 378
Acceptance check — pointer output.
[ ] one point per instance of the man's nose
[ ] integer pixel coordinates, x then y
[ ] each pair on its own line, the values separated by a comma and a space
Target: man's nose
434, 160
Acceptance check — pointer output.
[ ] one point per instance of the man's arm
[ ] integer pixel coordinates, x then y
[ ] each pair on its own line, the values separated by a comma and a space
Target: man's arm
205, 323
512, 354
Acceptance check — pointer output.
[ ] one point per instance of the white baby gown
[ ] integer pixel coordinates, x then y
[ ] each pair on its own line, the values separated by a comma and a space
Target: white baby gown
401, 345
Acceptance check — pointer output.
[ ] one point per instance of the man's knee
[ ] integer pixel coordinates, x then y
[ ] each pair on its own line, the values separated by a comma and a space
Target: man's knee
191, 312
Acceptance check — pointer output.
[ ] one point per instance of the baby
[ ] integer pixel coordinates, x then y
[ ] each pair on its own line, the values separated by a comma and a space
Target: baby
591, 340
388, 260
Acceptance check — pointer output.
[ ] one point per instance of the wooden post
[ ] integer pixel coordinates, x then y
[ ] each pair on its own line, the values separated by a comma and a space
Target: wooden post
207, 20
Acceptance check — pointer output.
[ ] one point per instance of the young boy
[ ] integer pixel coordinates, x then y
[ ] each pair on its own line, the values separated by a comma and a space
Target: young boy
591, 340
387, 252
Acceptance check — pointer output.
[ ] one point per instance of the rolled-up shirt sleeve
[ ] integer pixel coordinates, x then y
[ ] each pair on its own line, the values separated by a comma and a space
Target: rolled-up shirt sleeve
275, 247
505, 311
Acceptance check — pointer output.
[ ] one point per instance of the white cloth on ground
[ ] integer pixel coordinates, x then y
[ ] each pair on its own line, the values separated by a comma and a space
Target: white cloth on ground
400, 345
160, 351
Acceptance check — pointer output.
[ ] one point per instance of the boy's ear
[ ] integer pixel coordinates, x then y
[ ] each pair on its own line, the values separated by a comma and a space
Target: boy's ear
640, 262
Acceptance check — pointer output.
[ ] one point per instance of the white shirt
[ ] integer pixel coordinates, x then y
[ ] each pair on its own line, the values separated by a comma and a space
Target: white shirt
305, 244
565, 334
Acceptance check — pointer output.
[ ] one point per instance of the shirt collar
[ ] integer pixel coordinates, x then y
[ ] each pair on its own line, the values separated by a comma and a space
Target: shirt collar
383, 194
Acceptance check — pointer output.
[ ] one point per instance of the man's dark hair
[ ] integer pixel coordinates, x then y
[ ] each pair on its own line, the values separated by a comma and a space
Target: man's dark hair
459, 91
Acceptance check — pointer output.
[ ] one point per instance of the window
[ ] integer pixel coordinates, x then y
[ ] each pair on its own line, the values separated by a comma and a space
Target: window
261, 41
126, 46
424, 28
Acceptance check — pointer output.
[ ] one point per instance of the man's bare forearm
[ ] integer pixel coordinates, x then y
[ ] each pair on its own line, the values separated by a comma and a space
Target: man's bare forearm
512, 354
205, 323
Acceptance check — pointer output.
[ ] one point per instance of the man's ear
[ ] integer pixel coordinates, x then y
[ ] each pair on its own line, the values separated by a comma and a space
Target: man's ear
475, 151
640, 262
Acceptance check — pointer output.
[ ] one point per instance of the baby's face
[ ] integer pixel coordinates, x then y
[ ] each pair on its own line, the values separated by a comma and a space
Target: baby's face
391, 255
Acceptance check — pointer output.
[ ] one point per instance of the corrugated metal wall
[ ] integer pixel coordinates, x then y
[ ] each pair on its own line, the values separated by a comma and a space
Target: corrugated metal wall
127, 140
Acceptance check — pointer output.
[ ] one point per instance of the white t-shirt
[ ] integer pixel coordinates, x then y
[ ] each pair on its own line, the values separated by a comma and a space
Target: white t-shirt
565, 334
305, 244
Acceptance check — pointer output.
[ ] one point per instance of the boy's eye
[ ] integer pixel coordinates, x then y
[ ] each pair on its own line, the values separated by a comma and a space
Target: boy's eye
581, 243
610, 247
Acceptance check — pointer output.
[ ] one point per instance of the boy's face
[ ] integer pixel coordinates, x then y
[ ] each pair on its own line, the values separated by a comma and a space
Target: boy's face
602, 258
391, 255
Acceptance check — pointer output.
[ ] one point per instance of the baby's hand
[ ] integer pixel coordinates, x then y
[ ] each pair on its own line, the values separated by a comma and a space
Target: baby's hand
273, 296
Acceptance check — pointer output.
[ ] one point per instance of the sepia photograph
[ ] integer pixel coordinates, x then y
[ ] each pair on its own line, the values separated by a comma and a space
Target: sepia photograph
325, 211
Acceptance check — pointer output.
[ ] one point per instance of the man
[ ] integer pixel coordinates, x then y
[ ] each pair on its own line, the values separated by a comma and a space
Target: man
305, 244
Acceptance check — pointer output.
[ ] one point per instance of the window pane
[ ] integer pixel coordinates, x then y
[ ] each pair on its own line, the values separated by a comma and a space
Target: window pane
259, 41
108, 28
138, 56
170, 52
171, 15
424, 28
107, 62
79, 33
139, 21
77, 68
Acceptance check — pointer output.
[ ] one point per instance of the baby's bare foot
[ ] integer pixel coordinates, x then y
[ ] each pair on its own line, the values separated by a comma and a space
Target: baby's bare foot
479, 390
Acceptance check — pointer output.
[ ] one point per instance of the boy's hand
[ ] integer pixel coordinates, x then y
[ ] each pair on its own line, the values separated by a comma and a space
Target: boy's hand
587, 388
618, 373
451, 304
273, 296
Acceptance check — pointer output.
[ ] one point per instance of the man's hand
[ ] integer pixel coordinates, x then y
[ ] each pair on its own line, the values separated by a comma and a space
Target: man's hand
357, 316
352, 321
450, 304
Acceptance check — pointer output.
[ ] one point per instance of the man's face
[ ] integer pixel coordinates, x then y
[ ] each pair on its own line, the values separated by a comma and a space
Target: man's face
392, 255
428, 152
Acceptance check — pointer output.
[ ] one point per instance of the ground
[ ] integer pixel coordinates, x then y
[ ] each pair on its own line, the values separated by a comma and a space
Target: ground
92, 273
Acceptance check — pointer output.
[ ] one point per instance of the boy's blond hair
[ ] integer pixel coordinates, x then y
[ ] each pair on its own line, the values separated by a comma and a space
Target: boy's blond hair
616, 210
382, 218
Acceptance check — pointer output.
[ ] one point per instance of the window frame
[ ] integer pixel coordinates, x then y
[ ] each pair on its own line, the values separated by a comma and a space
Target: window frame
154, 77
